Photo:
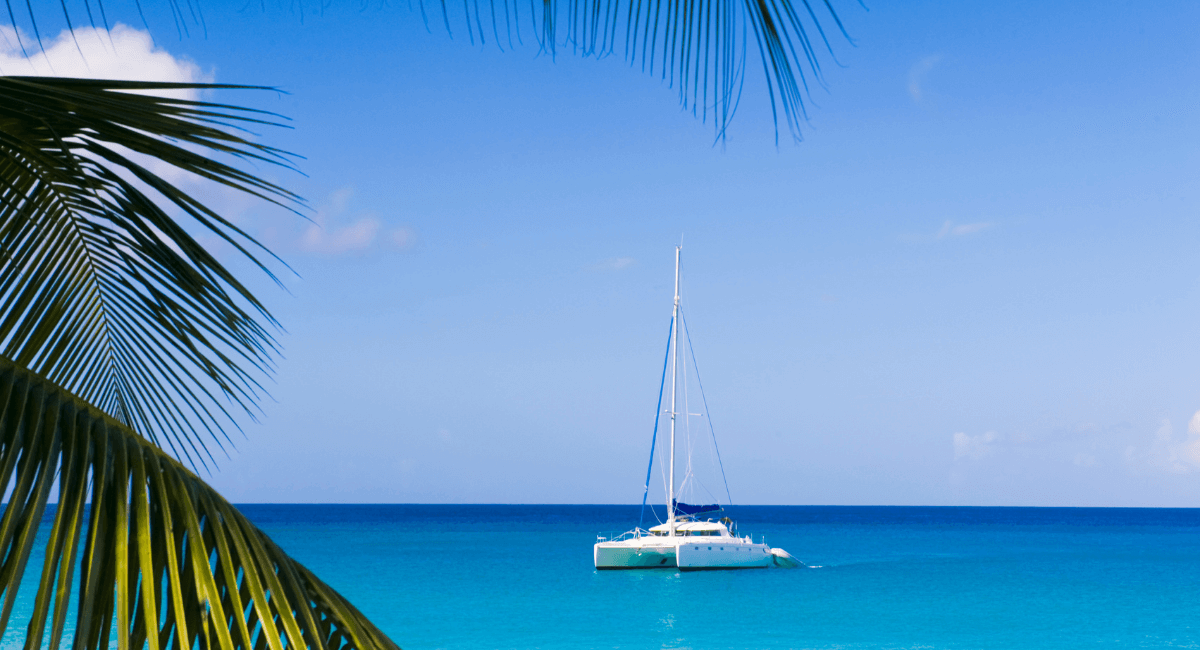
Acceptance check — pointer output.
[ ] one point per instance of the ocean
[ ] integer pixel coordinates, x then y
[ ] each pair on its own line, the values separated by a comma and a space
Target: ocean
504, 576
507, 576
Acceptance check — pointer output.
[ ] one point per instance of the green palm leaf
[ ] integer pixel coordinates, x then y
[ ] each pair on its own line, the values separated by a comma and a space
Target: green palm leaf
101, 290
164, 561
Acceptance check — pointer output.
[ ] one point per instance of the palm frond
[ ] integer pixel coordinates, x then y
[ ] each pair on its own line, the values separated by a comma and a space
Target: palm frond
103, 291
698, 46
164, 561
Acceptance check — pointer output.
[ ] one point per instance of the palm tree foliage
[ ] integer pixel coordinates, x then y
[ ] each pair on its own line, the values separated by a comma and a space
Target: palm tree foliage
101, 290
165, 561
119, 332
699, 47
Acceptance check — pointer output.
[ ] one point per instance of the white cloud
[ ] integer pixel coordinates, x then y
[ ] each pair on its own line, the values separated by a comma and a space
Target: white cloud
974, 447
916, 75
357, 236
1189, 450
129, 54
616, 264
951, 229
332, 233
402, 238
1165, 454
122, 53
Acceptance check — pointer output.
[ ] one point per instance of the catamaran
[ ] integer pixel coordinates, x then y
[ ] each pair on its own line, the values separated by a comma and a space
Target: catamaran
690, 539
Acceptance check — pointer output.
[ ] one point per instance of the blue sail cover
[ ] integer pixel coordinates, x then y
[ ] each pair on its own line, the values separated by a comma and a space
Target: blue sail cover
689, 509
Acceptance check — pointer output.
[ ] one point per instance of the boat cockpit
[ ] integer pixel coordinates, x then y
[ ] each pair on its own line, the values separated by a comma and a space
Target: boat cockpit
692, 529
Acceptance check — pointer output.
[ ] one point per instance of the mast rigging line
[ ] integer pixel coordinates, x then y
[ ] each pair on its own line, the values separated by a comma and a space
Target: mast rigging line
707, 415
678, 322
658, 412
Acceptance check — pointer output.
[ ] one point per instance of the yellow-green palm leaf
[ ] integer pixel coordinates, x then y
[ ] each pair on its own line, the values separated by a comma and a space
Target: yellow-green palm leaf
119, 332
164, 561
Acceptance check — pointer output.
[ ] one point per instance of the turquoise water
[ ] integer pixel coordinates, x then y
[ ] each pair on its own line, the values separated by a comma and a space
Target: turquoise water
472, 576
885, 577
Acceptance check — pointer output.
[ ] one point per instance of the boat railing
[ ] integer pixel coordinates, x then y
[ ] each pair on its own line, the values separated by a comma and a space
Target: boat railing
620, 537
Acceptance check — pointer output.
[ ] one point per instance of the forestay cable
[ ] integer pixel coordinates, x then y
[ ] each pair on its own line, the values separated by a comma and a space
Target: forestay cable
658, 412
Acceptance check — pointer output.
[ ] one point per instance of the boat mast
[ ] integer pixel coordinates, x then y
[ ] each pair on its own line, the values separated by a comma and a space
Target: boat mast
674, 377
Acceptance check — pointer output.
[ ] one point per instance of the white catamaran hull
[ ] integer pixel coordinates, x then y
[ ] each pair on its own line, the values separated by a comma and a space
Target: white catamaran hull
684, 541
717, 555
618, 555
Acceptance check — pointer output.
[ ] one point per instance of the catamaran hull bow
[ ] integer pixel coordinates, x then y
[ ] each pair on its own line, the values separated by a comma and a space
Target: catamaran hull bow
615, 555
784, 560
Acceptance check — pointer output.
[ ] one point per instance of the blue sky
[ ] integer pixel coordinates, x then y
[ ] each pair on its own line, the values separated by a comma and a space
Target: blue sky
975, 282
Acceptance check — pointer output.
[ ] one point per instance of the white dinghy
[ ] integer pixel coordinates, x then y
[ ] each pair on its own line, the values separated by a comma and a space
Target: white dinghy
685, 541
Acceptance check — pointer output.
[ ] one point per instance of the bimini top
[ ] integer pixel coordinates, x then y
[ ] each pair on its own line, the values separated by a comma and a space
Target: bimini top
682, 508
692, 528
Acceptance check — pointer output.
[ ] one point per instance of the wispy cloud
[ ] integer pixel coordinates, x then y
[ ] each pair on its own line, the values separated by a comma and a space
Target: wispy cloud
334, 232
1165, 453
615, 264
402, 238
1189, 449
951, 229
916, 75
356, 237
974, 447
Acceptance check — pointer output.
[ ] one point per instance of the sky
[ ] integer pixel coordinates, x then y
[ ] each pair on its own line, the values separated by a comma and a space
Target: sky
975, 281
